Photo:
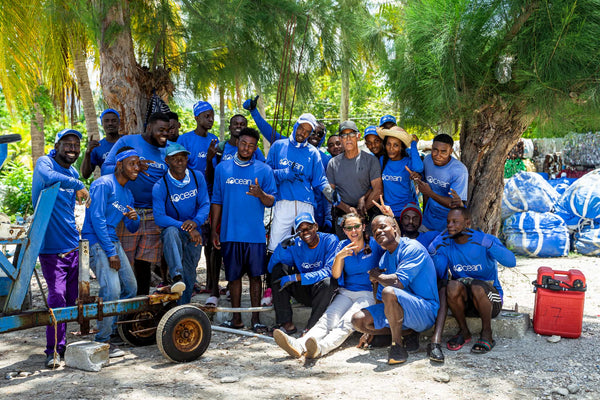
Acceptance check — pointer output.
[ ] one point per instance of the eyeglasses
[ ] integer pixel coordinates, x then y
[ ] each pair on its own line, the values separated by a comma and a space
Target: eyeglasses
347, 135
350, 228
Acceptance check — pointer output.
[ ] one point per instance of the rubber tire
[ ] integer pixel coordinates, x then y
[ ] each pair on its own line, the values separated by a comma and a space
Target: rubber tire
134, 340
168, 329
14, 137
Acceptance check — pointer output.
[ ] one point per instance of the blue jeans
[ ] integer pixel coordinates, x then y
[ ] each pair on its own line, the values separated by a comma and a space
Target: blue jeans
182, 257
114, 285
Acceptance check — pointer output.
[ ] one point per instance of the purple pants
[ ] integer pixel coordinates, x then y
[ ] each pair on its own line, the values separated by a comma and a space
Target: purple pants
61, 276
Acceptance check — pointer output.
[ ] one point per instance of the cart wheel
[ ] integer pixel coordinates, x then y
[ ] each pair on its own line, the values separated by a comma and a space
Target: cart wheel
142, 330
183, 334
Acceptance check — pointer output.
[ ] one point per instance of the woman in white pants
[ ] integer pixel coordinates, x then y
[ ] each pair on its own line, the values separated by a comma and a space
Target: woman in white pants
356, 256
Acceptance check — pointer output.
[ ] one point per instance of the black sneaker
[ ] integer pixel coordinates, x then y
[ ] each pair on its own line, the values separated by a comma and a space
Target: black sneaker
381, 341
411, 342
397, 354
434, 352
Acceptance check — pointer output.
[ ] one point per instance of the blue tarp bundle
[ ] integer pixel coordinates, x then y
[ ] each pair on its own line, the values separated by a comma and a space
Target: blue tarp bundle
587, 241
536, 234
527, 191
581, 200
561, 184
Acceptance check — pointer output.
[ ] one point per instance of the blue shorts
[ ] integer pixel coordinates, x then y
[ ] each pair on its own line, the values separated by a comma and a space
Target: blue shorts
419, 314
240, 258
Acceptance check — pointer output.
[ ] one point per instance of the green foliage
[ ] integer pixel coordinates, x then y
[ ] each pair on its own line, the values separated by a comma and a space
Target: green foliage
455, 56
15, 183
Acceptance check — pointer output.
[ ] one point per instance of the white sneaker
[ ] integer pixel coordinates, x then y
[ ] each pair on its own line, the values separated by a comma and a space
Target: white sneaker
288, 343
178, 287
114, 351
313, 350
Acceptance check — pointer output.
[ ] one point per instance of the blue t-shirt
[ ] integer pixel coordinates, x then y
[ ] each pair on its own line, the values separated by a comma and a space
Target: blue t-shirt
242, 214
229, 151
172, 205
61, 234
198, 147
414, 268
355, 274
141, 188
314, 264
109, 202
303, 162
441, 179
398, 188
425, 238
472, 260
99, 154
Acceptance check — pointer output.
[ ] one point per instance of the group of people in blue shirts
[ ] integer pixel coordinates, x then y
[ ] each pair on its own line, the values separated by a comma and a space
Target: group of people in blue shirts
347, 236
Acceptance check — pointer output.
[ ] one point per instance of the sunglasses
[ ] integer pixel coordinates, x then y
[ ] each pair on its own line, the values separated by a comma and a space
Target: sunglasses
347, 135
350, 228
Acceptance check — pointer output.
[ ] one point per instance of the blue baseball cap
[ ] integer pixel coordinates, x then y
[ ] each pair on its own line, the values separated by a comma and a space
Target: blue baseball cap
371, 130
175, 148
108, 111
66, 132
387, 118
201, 107
303, 217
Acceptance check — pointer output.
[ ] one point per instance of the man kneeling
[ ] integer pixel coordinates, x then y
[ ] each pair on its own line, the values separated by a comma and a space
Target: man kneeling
407, 287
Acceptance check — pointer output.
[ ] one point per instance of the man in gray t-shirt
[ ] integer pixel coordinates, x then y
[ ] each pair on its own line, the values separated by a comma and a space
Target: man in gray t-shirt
356, 175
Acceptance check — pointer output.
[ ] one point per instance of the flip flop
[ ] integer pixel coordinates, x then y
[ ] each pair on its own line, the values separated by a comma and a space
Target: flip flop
229, 324
482, 346
212, 301
457, 342
259, 328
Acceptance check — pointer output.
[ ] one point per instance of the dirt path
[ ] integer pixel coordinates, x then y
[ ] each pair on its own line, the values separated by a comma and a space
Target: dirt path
516, 369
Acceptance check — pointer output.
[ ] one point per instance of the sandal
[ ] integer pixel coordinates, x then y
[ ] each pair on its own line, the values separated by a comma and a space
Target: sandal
482, 346
457, 342
229, 324
259, 328
212, 301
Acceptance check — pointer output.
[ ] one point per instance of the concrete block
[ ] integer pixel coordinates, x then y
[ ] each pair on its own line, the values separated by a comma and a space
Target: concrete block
508, 324
86, 355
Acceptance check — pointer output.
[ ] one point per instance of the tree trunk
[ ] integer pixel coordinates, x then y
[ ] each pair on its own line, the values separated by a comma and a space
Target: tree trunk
127, 86
485, 141
345, 97
221, 113
119, 71
85, 92
37, 134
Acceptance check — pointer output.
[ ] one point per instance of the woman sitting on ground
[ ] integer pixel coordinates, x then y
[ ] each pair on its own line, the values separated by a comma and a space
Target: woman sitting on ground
355, 257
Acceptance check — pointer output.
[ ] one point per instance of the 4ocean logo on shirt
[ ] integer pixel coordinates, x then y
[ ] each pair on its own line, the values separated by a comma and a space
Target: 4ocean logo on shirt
238, 181
294, 166
175, 197
154, 164
435, 181
391, 178
119, 207
308, 266
466, 268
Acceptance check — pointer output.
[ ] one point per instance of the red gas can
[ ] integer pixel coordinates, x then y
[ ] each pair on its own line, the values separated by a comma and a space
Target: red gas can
559, 298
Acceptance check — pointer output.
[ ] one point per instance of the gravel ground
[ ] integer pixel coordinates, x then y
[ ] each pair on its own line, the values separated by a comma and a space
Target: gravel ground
236, 367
